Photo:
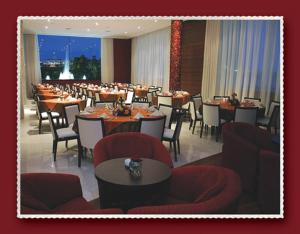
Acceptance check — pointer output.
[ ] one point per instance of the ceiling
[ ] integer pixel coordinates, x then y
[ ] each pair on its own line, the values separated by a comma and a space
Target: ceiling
93, 26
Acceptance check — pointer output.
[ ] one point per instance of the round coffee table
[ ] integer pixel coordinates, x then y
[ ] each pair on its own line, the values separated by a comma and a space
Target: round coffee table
117, 188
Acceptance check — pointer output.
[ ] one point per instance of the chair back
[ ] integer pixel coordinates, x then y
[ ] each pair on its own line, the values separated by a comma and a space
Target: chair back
85, 91
152, 89
140, 104
76, 94
52, 125
103, 104
70, 112
275, 117
39, 107
97, 96
90, 94
272, 105
198, 102
149, 96
178, 127
227, 98
129, 98
90, 130
89, 102
167, 111
83, 97
245, 115
80, 90
166, 100
211, 114
153, 126
193, 110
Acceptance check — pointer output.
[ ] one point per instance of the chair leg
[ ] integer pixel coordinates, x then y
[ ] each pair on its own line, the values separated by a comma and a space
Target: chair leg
194, 126
54, 149
174, 143
170, 145
66, 144
178, 145
92, 153
202, 125
79, 152
40, 126
217, 133
191, 123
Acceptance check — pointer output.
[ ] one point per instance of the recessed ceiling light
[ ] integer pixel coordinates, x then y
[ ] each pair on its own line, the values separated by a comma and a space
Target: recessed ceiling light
155, 21
46, 27
139, 27
48, 20
97, 23
88, 29
125, 32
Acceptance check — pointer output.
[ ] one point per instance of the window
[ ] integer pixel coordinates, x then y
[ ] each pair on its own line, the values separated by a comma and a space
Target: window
65, 57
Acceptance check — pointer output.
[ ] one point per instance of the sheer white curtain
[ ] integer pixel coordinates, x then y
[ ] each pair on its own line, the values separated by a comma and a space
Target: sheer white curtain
32, 62
150, 59
249, 59
210, 61
107, 60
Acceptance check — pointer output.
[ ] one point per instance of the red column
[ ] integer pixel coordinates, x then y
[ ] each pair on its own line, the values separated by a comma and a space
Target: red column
175, 55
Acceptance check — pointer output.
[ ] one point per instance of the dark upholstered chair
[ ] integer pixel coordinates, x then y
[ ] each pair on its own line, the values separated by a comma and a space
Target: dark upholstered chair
131, 144
198, 190
268, 190
52, 193
242, 144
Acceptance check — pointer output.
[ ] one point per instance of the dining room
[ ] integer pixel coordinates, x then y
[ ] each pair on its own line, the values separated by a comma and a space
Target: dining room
150, 115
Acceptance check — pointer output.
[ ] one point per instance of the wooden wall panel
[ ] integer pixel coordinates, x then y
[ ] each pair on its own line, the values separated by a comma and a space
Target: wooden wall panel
192, 51
122, 60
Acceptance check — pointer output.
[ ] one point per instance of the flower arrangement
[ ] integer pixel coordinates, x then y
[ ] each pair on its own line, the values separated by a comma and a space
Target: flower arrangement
121, 109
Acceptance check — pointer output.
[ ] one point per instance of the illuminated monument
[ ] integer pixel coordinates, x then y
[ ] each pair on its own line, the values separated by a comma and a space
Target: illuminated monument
66, 75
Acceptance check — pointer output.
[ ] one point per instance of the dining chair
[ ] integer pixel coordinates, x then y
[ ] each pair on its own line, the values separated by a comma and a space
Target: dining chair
90, 94
42, 115
167, 111
85, 91
227, 98
102, 104
140, 104
152, 89
80, 91
83, 97
211, 117
130, 96
76, 95
70, 112
97, 96
152, 126
62, 134
198, 102
90, 131
246, 115
89, 102
166, 100
172, 136
195, 115
271, 120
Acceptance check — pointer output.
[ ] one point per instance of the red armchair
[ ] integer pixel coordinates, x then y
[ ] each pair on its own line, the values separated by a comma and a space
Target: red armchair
242, 143
198, 190
51, 193
268, 192
131, 144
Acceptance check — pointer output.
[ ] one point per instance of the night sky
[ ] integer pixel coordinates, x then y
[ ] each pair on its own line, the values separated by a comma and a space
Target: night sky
54, 47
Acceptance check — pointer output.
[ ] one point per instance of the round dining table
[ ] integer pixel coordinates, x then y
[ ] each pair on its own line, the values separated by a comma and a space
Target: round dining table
51, 95
178, 99
227, 109
57, 104
112, 123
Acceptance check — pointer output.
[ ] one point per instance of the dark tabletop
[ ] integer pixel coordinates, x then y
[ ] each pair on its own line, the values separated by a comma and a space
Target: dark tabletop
113, 171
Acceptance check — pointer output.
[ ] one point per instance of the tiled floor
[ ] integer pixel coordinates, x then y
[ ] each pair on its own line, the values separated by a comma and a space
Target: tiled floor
36, 152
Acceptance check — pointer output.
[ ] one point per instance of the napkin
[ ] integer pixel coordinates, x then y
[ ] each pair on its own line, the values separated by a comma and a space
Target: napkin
152, 108
157, 113
89, 109
138, 115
